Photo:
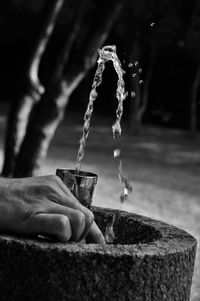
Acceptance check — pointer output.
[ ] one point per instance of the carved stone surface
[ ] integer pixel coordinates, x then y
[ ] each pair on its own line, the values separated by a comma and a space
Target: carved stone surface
149, 260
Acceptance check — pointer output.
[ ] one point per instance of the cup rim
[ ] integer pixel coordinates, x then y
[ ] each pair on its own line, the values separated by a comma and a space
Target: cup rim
81, 174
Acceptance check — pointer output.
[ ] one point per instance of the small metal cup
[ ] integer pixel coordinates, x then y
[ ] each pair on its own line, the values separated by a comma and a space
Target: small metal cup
81, 184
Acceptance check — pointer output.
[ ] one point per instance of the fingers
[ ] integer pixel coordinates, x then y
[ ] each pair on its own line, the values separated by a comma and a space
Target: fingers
65, 224
68, 200
53, 225
92, 231
76, 218
80, 219
95, 235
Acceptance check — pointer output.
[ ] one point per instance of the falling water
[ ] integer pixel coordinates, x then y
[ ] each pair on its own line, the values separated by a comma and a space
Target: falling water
88, 114
107, 53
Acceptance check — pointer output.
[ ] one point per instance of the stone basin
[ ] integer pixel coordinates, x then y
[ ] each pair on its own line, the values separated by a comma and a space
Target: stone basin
149, 260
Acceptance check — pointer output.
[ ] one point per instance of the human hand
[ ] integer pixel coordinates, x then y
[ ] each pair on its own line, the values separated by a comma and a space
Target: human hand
45, 206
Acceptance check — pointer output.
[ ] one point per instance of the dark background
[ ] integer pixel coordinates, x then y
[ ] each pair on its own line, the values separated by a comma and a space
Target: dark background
163, 164
173, 72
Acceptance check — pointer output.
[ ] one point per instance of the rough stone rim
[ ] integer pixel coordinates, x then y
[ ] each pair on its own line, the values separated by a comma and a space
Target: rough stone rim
172, 240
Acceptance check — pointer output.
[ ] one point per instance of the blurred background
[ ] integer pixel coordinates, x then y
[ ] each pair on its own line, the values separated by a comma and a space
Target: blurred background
48, 55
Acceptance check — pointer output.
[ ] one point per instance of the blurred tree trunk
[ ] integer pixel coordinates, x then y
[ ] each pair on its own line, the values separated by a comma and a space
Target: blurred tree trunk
193, 103
20, 111
49, 112
141, 89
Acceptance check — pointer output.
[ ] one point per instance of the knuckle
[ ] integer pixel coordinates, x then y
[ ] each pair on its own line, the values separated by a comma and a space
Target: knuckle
80, 219
53, 178
57, 179
50, 177
78, 225
63, 228
89, 217
62, 222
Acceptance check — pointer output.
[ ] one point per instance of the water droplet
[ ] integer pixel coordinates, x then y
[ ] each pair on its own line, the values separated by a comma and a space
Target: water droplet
116, 129
123, 196
125, 191
134, 75
133, 94
136, 63
130, 65
41, 89
140, 81
140, 70
116, 153
152, 24
109, 234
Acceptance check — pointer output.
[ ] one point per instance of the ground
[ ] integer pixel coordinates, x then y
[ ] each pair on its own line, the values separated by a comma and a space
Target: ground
162, 165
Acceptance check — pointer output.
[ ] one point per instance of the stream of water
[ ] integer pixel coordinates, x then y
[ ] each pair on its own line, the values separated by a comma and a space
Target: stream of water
107, 53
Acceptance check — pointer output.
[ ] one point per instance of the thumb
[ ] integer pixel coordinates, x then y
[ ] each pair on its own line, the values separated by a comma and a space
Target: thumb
53, 225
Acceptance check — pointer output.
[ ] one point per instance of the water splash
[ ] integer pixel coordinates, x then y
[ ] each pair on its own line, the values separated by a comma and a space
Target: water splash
127, 186
116, 153
107, 53
88, 114
133, 94
109, 231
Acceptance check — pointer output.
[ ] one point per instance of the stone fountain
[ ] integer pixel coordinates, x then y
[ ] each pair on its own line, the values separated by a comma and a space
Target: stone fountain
148, 261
